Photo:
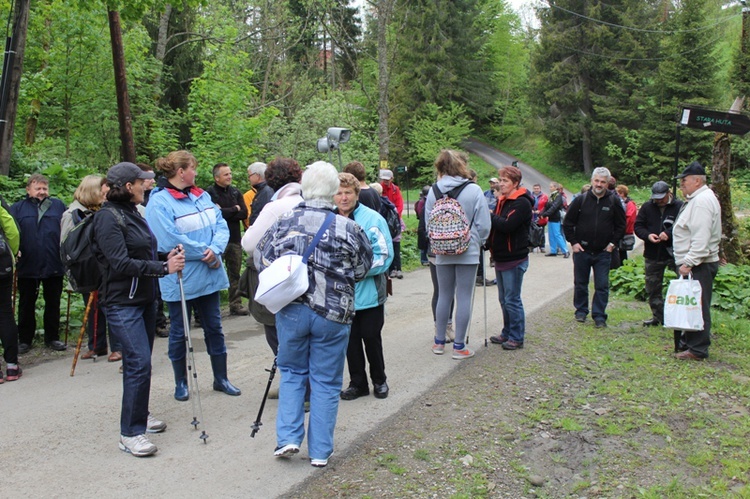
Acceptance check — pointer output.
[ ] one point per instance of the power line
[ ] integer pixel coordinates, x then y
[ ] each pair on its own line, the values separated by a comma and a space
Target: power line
644, 30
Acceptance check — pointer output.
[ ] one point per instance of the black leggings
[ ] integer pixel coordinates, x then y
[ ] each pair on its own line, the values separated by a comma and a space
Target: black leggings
8, 329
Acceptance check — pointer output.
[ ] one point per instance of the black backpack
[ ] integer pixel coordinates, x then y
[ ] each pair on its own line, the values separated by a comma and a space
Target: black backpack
77, 252
388, 211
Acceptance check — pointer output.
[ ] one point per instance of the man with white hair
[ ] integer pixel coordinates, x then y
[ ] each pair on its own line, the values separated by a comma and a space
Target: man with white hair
313, 330
249, 196
696, 236
594, 225
256, 174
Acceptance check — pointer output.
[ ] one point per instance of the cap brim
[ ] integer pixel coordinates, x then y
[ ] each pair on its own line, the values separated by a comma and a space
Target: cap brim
147, 175
658, 196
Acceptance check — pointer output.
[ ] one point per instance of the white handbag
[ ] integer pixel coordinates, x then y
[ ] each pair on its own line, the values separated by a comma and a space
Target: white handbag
682, 307
286, 279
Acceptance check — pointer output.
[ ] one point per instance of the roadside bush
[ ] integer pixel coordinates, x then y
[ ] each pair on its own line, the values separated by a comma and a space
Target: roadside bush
730, 294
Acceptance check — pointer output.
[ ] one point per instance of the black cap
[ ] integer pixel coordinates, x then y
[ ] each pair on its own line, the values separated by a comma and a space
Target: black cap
659, 190
125, 172
693, 168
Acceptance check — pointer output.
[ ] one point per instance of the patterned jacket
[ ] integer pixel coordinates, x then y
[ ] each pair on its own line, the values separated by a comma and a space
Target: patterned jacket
342, 257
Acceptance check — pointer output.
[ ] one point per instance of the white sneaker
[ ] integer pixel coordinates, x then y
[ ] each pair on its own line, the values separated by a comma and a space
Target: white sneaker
154, 425
287, 450
138, 445
320, 463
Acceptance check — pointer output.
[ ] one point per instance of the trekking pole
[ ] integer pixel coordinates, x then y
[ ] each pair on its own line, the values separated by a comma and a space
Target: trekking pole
83, 331
195, 397
257, 424
471, 310
15, 291
96, 323
67, 317
484, 285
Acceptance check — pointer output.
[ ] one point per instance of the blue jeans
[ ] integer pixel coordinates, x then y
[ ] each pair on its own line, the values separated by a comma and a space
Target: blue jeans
583, 262
311, 348
208, 307
556, 239
509, 284
135, 328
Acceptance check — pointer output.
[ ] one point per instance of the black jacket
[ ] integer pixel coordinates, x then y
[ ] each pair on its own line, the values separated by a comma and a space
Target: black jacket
509, 237
228, 198
127, 256
262, 197
553, 207
595, 222
652, 220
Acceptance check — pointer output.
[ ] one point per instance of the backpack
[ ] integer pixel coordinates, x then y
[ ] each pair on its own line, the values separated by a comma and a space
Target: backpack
388, 211
77, 252
448, 228
536, 235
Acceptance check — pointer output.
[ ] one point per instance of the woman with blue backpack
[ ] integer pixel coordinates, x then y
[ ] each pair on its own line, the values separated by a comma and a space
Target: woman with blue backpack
458, 222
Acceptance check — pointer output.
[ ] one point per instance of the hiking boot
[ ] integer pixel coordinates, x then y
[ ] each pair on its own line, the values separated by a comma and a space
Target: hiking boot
464, 353
23, 348
512, 345
438, 348
12, 374
237, 311
498, 340
599, 324
153, 425
580, 318
287, 450
162, 332
138, 445
399, 275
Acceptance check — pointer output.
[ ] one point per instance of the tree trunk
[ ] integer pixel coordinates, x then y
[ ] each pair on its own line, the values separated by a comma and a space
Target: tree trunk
7, 122
384, 11
161, 41
730, 241
121, 87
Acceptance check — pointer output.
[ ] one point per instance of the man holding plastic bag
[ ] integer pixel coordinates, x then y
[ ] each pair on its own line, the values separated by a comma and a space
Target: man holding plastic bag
696, 235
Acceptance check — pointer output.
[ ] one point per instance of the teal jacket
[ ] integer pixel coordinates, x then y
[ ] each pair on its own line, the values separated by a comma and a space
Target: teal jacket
189, 218
370, 292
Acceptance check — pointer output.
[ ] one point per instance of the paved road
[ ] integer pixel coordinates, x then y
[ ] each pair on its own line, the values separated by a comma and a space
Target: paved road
500, 158
58, 434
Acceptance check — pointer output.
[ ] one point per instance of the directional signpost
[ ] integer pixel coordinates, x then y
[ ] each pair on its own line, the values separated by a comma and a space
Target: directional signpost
710, 120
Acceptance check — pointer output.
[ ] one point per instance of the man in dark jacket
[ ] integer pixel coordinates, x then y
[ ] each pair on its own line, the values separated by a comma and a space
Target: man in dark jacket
594, 225
654, 225
234, 211
38, 217
263, 193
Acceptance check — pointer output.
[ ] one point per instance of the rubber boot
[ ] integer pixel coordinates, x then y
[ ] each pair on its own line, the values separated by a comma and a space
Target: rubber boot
221, 383
181, 391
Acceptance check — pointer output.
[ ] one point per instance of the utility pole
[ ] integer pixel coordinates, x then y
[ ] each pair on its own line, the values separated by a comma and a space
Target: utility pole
11, 79
121, 87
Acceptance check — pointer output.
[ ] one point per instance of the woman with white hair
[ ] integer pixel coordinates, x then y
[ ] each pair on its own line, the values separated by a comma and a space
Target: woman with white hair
313, 330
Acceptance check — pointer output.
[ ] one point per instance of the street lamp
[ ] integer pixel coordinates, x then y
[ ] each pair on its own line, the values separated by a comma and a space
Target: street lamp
335, 136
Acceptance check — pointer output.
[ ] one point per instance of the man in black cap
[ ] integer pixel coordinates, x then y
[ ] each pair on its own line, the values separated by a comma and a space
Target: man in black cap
696, 236
654, 225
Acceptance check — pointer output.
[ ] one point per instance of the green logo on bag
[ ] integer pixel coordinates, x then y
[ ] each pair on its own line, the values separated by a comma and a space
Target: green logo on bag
682, 300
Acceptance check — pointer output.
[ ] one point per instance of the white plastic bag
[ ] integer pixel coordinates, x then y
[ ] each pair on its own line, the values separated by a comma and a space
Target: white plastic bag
682, 307
282, 282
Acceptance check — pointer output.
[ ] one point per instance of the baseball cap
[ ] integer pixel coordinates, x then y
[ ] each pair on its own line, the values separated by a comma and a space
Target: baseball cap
494, 180
125, 172
386, 175
659, 190
693, 168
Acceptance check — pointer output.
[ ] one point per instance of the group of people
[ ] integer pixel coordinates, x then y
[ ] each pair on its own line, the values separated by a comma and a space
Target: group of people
176, 248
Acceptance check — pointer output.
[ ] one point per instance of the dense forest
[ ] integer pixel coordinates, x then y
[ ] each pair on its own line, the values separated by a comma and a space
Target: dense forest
601, 83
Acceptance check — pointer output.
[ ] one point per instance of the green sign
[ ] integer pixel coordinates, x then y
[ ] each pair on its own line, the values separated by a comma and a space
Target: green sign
401, 169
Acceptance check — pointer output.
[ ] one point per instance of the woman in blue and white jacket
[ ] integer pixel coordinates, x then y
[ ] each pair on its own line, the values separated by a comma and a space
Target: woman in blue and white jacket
369, 295
457, 273
181, 213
